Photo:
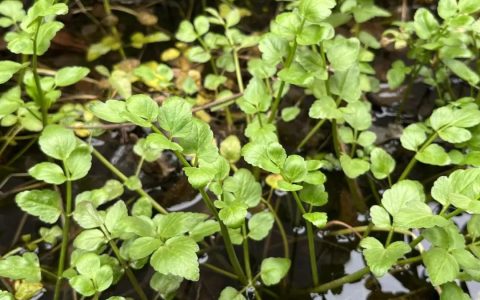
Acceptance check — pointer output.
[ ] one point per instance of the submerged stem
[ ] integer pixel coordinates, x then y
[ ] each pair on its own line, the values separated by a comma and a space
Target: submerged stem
311, 241
65, 232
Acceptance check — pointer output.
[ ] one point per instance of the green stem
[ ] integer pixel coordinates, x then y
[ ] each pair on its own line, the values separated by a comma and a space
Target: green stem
65, 232
223, 229
291, 55
238, 71
128, 271
124, 178
41, 98
341, 281
311, 133
413, 161
220, 271
281, 229
113, 28
246, 254
311, 240
10, 138
389, 237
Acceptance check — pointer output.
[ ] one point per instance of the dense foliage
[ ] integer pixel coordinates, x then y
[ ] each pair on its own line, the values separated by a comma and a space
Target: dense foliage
214, 75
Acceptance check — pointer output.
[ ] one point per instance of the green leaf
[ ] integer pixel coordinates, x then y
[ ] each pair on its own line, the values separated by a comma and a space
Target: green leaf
256, 98
243, 187
383, 163
417, 215
198, 54
433, 155
87, 216
200, 142
315, 11
70, 75
141, 110
357, 115
90, 240
7, 69
413, 136
455, 135
462, 70
396, 75
290, 113
26, 267
468, 6
273, 48
294, 168
201, 25
186, 33
296, 74
343, 53
115, 214
232, 213
143, 247
313, 34
110, 110
441, 266
400, 194
204, 229
260, 225
212, 81
452, 291
230, 293
318, 219
88, 264
380, 216
425, 23
175, 116
273, 269
177, 257
103, 278
381, 259
133, 183
473, 226
199, 177
48, 172
166, 285
51, 235
447, 237
314, 195
324, 108
177, 223
353, 167
83, 285
57, 142
44, 204
447, 8
79, 163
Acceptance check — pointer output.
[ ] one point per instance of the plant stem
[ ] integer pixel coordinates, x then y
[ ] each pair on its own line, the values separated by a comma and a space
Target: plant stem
220, 271
281, 229
128, 271
10, 138
124, 178
246, 254
223, 229
413, 161
65, 232
238, 71
342, 280
291, 55
311, 133
113, 28
36, 77
311, 240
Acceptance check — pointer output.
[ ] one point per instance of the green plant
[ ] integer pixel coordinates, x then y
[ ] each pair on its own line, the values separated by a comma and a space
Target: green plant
118, 228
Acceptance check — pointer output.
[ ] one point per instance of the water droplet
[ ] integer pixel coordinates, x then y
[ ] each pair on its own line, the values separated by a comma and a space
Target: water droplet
203, 259
280, 193
299, 230
362, 217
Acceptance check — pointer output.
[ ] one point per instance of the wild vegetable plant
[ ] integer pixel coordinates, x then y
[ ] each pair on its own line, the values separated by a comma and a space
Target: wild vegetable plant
117, 230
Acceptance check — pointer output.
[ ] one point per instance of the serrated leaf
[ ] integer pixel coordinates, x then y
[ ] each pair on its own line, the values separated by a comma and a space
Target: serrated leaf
44, 204
381, 259
48, 172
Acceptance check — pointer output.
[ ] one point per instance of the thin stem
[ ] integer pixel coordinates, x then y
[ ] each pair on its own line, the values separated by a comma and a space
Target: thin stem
413, 161
311, 240
311, 133
389, 237
223, 229
220, 271
128, 271
65, 232
36, 77
281, 229
124, 178
246, 254
9, 139
341, 281
291, 55
113, 28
